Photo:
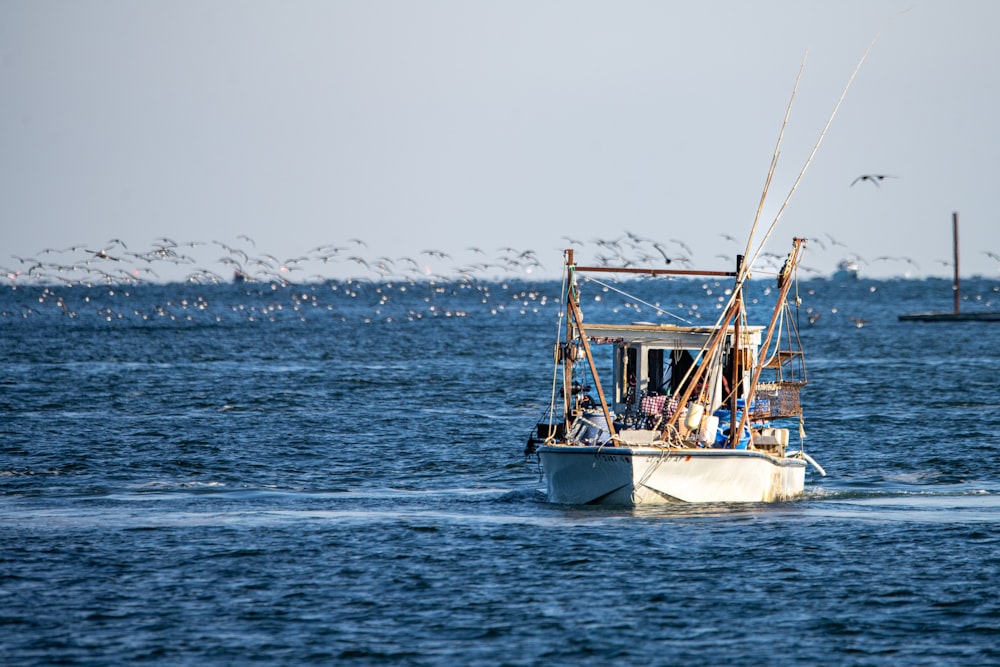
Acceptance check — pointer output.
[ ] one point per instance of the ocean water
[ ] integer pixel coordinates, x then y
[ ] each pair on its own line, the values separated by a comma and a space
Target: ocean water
334, 474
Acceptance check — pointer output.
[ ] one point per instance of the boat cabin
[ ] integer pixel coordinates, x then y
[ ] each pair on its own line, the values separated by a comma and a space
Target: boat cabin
651, 360
653, 370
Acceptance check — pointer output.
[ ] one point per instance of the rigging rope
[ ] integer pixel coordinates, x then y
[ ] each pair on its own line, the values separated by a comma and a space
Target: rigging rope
555, 365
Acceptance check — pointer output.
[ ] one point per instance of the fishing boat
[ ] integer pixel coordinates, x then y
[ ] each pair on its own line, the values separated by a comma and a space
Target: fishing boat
847, 269
691, 413
698, 414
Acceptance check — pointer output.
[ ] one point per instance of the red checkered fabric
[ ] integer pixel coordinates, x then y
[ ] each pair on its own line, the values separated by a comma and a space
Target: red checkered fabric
653, 405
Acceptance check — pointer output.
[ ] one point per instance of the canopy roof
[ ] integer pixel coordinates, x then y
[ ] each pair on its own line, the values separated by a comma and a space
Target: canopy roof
669, 336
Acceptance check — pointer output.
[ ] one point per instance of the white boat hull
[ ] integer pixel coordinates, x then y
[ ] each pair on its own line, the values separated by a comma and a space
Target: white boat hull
579, 475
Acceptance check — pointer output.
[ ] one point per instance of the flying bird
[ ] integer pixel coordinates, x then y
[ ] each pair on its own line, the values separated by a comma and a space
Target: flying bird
660, 249
686, 247
875, 179
102, 254
834, 241
436, 253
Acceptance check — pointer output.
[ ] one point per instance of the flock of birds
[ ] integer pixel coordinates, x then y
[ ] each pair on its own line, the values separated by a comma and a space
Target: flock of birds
431, 283
498, 280
114, 263
217, 262
353, 269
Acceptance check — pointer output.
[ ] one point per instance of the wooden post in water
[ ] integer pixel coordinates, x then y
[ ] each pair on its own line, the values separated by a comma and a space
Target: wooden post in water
954, 240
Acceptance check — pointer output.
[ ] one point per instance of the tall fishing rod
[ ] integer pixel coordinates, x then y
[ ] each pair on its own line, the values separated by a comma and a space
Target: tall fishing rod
774, 156
809, 160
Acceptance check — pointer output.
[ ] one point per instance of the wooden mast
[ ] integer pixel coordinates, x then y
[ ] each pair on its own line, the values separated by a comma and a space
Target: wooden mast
566, 350
954, 240
736, 352
574, 311
785, 277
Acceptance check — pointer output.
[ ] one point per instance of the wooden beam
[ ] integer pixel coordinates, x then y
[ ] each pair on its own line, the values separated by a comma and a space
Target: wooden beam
654, 272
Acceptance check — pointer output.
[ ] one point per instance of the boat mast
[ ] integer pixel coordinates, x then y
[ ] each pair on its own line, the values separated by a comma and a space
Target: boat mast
785, 276
736, 353
565, 351
573, 307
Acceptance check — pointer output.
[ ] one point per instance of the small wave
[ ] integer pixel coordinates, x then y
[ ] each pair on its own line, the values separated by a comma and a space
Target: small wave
27, 472
525, 495
178, 485
877, 493
953, 506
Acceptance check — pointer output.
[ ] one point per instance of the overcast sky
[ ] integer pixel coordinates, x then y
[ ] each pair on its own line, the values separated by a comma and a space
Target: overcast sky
438, 124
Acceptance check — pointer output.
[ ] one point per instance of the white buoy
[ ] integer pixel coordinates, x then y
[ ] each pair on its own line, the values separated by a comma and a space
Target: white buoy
694, 414
709, 429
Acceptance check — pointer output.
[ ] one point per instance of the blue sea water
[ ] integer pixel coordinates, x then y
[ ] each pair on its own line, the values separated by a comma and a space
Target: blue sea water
334, 474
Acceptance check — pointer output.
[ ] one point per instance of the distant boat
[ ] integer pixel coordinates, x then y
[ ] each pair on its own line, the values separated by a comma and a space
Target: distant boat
956, 315
670, 429
847, 269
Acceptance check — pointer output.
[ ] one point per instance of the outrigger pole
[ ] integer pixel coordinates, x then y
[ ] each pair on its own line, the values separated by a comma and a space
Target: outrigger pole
721, 331
574, 310
784, 284
735, 356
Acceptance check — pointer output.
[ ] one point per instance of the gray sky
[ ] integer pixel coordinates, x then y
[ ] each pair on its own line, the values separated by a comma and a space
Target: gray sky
447, 124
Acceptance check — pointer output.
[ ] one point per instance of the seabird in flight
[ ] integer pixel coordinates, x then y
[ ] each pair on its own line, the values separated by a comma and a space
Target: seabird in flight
873, 178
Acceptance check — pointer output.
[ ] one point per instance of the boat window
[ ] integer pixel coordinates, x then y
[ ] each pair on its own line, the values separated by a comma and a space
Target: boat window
626, 365
682, 361
631, 367
658, 379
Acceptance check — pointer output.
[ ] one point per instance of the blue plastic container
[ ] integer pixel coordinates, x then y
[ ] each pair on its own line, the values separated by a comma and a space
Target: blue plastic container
722, 438
595, 430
